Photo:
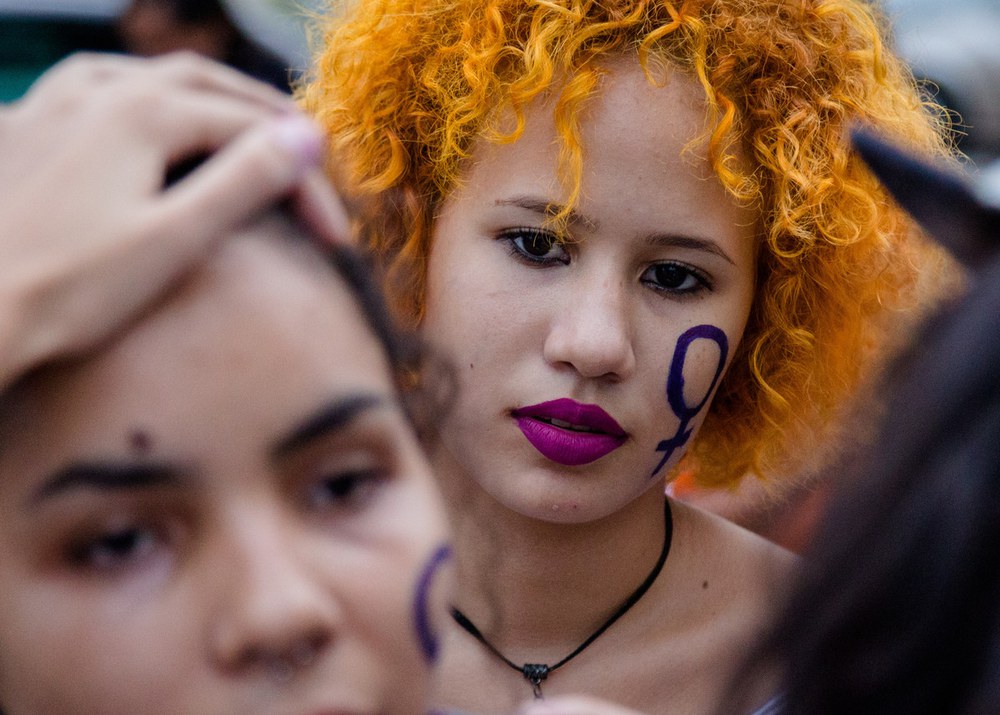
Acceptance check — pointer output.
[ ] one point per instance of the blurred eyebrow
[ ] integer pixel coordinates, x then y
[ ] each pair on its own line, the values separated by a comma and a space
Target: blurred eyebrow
332, 417
106, 476
547, 209
671, 240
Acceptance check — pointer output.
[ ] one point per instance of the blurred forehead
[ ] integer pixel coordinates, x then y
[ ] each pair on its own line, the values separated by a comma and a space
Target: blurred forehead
263, 321
265, 280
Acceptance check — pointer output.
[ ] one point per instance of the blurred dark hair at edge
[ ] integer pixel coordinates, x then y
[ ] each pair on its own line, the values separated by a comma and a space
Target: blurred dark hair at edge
897, 609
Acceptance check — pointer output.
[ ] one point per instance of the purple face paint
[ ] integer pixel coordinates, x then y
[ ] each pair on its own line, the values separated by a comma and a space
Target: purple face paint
675, 387
421, 603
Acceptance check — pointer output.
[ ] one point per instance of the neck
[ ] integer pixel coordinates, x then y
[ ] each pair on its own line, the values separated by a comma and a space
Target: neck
536, 589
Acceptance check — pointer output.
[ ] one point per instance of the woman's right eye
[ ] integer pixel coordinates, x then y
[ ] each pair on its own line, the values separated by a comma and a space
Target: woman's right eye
115, 549
348, 489
535, 246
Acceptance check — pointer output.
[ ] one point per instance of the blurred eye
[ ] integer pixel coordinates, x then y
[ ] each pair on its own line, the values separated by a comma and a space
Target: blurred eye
116, 549
535, 246
345, 490
676, 278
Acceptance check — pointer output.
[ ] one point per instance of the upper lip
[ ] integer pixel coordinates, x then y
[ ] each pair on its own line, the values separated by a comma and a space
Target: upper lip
574, 414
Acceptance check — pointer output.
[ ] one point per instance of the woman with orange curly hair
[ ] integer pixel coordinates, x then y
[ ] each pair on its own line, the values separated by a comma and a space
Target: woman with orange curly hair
638, 232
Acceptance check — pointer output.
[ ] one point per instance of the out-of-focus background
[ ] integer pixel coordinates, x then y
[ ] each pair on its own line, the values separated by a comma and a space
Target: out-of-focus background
955, 45
265, 38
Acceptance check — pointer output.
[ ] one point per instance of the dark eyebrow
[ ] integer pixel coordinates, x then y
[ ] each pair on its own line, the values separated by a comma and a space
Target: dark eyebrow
106, 476
548, 209
670, 240
333, 416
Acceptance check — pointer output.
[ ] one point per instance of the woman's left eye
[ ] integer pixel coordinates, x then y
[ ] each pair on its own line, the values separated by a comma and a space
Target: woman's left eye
345, 490
676, 278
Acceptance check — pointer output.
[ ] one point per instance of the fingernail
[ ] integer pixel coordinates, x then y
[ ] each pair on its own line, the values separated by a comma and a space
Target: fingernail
302, 137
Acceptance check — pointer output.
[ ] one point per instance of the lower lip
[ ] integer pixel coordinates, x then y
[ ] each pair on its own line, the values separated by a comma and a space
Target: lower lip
567, 447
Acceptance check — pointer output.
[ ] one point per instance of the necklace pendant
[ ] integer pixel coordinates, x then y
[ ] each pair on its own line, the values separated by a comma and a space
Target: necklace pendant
535, 673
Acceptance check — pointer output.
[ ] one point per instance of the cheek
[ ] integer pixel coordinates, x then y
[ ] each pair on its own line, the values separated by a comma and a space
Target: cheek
698, 363
471, 291
699, 371
388, 654
62, 654
397, 593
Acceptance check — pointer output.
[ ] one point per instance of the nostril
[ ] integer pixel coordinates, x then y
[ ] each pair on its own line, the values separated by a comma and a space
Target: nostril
282, 664
307, 650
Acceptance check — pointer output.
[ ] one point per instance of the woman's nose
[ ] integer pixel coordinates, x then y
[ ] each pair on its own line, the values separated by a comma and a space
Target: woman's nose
275, 615
591, 331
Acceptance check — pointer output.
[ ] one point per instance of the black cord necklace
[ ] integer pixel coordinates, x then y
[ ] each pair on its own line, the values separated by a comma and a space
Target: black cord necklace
535, 673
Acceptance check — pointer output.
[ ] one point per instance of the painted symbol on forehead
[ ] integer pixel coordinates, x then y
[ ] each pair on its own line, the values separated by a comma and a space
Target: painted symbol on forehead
675, 387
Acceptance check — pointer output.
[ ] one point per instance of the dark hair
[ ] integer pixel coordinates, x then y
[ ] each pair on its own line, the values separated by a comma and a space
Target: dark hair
242, 51
192, 12
355, 272
898, 606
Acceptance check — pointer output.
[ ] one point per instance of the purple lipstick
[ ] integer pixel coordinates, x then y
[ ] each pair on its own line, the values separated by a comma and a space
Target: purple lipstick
568, 432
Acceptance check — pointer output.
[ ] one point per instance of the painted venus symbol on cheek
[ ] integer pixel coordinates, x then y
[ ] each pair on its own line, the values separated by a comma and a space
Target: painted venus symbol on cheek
675, 387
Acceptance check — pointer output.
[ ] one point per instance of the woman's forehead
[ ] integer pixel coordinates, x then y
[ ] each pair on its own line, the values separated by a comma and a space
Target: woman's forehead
261, 324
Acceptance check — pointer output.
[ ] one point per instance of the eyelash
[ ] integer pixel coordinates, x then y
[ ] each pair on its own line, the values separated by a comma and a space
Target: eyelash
515, 238
702, 281
346, 490
113, 551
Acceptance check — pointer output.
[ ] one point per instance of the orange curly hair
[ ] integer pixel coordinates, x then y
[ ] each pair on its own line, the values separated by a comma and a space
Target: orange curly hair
404, 89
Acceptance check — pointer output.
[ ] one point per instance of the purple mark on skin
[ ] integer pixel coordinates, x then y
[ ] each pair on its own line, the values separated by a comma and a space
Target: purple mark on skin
421, 603
675, 387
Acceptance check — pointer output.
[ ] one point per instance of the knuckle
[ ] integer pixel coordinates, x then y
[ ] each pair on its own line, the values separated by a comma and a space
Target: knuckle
184, 63
137, 99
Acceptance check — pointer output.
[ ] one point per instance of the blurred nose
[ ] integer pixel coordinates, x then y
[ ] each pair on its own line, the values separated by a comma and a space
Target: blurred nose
591, 331
275, 615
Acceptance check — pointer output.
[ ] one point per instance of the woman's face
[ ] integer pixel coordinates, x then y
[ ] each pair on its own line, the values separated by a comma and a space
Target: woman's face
225, 511
584, 368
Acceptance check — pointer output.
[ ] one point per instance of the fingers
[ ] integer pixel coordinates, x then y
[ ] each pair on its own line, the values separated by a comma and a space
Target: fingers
78, 74
254, 171
99, 132
75, 79
321, 210
195, 72
180, 122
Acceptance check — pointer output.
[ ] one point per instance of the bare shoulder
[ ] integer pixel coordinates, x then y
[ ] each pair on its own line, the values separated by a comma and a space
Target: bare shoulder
727, 558
722, 583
